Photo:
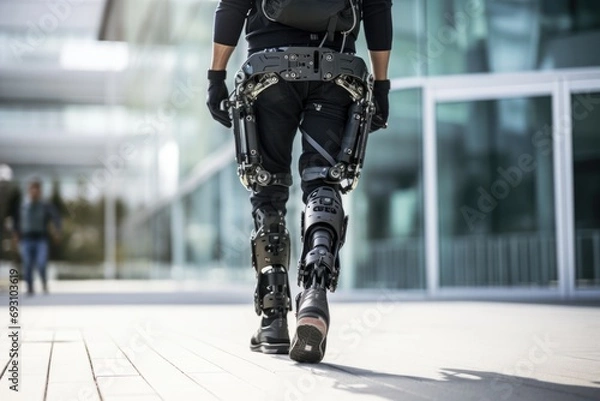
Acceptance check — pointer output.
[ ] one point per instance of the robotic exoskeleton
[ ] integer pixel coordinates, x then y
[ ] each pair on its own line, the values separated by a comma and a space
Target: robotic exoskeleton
323, 221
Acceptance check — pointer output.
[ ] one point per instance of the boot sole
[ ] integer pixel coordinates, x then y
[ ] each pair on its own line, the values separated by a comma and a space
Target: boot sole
308, 344
271, 348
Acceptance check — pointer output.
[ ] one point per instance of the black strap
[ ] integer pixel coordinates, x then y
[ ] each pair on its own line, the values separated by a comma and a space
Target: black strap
282, 179
331, 28
318, 147
315, 173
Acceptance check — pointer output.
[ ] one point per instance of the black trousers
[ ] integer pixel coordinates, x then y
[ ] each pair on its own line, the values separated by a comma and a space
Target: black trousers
318, 108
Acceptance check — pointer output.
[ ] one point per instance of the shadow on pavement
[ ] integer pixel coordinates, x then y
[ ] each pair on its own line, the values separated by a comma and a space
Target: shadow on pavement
455, 385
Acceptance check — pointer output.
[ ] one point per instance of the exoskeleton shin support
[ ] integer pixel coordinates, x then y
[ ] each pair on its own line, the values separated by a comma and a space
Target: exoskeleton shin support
323, 234
270, 244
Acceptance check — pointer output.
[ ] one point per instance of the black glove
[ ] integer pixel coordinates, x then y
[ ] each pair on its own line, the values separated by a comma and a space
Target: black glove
217, 92
381, 90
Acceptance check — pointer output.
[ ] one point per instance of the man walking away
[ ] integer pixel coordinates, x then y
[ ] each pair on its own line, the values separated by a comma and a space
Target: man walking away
302, 73
35, 217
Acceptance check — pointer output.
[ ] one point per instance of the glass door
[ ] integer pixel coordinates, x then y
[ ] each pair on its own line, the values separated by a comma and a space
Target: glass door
494, 209
585, 153
496, 192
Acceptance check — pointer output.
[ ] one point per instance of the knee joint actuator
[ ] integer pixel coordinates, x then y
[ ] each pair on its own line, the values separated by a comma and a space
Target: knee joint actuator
323, 234
270, 244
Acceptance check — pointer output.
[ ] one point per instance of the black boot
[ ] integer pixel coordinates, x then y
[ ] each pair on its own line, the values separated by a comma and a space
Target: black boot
272, 302
312, 326
272, 336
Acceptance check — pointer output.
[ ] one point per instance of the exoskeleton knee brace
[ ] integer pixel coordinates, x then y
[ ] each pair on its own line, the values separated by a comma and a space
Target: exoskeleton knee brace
270, 244
323, 234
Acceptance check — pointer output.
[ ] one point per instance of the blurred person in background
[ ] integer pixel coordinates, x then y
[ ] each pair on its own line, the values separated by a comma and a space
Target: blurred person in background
10, 198
33, 228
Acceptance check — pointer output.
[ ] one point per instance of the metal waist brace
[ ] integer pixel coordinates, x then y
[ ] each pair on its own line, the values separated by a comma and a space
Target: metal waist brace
307, 64
297, 64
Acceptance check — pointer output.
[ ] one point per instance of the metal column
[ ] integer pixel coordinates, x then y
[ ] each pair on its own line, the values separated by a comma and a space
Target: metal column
430, 178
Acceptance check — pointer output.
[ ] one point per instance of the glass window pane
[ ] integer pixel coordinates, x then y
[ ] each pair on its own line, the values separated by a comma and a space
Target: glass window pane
202, 209
586, 182
496, 204
235, 223
467, 36
387, 216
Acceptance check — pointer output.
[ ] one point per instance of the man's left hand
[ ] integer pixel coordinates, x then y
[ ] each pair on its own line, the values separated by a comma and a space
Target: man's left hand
381, 91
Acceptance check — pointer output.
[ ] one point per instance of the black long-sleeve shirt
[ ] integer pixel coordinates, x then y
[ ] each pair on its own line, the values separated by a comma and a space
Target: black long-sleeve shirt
262, 33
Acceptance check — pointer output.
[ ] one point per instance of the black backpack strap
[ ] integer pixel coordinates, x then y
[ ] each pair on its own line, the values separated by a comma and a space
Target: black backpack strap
331, 28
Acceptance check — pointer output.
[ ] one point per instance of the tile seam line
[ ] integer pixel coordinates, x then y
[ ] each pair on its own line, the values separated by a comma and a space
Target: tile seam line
135, 367
89, 357
184, 373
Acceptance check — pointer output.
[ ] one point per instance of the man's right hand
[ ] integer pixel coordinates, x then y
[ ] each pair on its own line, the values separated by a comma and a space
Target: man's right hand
217, 92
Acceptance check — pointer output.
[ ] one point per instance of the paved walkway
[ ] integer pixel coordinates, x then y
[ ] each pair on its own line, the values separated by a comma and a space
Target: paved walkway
381, 350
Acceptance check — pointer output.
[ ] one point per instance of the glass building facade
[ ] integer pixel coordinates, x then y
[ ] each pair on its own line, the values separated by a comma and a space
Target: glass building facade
487, 179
